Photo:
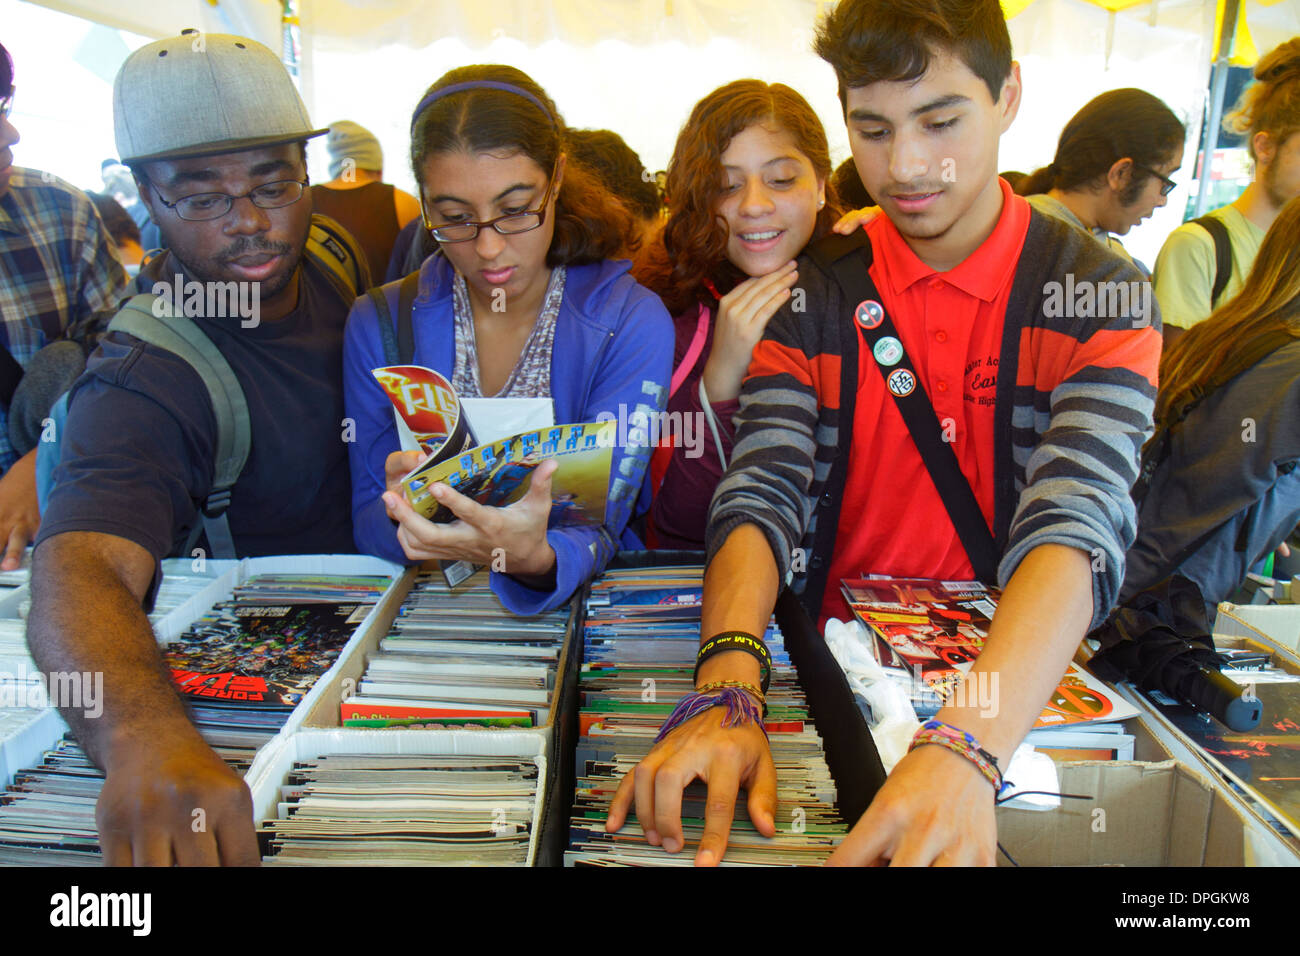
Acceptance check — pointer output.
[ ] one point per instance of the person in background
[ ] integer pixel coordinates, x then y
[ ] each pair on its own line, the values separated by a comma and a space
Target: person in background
358, 198
60, 282
125, 233
1224, 491
1112, 166
749, 180
119, 185
526, 300
620, 169
1268, 115
1014, 178
848, 186
413, 246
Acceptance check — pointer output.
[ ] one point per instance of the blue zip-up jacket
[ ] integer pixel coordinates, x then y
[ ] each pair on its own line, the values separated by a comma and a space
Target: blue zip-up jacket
612, 358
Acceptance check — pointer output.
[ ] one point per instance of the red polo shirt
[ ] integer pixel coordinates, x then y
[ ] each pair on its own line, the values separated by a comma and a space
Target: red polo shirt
892, 520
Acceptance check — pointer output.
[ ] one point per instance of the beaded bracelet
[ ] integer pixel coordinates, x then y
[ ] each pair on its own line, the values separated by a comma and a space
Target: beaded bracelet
744, 685
962, 743
741, 709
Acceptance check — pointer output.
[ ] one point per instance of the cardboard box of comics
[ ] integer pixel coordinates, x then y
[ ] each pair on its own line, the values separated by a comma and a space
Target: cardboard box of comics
1134, 814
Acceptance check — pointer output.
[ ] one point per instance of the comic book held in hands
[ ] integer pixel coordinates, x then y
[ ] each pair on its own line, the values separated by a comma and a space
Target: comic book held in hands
932, 631
497, 473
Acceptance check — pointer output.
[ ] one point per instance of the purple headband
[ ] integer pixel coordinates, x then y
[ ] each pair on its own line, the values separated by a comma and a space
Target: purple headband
436, 95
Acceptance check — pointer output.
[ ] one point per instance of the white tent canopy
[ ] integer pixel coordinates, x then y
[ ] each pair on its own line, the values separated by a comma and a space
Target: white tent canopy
365, 24
637, 66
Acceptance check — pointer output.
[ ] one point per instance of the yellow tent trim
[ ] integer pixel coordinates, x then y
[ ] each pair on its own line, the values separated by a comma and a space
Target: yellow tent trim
1011, 8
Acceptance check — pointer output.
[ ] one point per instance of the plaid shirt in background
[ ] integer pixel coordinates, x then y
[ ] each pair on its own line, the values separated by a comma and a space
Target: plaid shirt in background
60, 274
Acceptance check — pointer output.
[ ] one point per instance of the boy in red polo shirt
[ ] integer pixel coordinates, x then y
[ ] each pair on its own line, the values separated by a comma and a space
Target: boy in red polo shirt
1042, 379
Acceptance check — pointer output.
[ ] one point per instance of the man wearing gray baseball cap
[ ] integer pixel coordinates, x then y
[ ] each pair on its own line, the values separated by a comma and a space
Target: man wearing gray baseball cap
215, 134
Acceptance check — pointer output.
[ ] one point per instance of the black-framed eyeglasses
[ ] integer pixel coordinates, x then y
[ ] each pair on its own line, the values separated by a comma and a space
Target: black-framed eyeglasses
201, 207
508, 225
7, 104
1167, 185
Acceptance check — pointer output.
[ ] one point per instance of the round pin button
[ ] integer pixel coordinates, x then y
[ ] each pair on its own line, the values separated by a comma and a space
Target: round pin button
869, 313
888, 351
901, 382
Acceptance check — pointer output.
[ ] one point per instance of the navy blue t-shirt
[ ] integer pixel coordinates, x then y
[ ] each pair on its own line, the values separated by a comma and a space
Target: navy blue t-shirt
140, 440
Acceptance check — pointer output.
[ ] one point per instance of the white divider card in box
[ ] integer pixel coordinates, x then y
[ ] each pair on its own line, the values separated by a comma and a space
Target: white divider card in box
429, 797
25, 733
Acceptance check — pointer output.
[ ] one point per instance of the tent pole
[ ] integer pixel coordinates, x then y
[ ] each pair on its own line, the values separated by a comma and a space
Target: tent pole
1218, 84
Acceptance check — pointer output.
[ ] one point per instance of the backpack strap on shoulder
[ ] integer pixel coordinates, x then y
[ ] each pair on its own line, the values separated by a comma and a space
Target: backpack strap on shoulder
331, 247
405, 326
152, 320
1222, 255
398, 342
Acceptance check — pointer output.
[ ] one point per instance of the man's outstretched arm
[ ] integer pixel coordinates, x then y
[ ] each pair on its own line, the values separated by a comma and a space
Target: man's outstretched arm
167, 797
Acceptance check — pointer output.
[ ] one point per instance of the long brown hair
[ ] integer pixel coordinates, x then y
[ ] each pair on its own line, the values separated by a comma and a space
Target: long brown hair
1269, 301
691, 249
590, 223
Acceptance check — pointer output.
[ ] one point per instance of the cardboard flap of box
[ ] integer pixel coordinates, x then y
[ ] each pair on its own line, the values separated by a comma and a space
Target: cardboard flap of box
1278, 623
1135, 814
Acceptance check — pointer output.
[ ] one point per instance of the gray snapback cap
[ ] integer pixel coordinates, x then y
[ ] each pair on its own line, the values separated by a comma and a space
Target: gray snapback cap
200, 94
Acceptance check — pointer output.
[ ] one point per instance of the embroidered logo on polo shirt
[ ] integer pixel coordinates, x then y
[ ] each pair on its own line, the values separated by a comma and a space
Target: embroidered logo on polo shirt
869, 313
888, 351
901, 382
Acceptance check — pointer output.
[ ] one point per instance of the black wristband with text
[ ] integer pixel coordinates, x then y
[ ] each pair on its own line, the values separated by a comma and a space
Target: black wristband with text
737, 641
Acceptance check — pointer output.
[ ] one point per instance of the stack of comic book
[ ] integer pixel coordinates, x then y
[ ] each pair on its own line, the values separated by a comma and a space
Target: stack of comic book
245, 665
404, 810
640, 641
455, 658
926, 634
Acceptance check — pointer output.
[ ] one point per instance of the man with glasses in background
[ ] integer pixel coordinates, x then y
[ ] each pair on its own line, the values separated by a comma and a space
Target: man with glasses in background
216, 135
60, 281
1112, 167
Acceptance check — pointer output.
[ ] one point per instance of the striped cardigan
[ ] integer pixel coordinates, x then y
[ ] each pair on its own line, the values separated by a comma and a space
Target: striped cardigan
1073, 408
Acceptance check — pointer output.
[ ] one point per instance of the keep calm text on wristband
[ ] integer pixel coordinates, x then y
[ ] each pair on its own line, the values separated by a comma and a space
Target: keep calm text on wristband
737, 641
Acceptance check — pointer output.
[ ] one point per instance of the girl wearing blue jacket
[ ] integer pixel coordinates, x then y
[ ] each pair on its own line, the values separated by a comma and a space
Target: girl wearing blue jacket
522, 303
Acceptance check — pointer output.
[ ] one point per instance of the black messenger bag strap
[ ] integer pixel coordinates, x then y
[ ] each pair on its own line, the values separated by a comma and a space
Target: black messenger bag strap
848, 263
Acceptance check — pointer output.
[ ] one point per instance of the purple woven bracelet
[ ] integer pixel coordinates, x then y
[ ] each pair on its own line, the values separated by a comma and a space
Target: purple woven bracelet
741, 709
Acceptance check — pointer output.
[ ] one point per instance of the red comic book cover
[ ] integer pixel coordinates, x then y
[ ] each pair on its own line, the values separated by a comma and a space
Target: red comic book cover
429, 406
936, 629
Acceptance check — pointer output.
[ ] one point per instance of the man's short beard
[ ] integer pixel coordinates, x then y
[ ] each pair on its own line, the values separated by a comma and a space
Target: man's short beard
1269, 185
265, 289
1132, 191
